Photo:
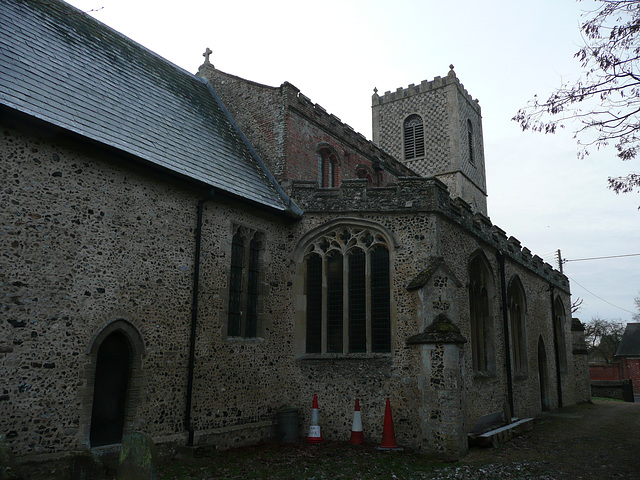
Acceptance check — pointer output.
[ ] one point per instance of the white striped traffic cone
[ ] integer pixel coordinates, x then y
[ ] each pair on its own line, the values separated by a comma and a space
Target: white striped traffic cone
314, 429
357, 437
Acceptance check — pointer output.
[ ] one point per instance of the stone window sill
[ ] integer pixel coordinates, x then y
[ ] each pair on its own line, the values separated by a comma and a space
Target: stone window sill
483, 375
246, 339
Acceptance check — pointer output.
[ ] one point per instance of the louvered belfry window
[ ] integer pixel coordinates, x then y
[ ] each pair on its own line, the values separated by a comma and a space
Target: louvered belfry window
348, 293
413, 137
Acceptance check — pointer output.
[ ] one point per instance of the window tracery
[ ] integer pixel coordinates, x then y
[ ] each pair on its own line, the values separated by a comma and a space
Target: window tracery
348, 292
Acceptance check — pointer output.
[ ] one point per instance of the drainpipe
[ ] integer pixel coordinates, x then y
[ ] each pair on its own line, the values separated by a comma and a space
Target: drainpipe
194, 319
505, 321
556, 346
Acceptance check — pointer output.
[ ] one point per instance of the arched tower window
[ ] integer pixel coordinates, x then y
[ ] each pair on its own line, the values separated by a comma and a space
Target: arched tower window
348, 292
480, 294
470, 141
413, 137
516, 305
327, 168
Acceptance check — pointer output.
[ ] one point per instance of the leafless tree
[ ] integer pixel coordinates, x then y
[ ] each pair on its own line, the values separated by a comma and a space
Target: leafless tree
603, 338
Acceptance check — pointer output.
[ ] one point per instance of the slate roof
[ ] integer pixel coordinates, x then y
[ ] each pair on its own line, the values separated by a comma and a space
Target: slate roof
62, 66
630, 343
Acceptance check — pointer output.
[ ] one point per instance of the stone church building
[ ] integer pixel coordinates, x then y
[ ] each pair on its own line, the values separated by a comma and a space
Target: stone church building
184, 255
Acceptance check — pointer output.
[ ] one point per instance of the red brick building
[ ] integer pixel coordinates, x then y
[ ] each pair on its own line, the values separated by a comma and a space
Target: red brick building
629, 355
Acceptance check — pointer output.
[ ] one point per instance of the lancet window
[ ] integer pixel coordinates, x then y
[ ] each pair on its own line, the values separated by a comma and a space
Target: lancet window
470, 141
558, 326
516, 300
327, 168
244, 281
480, 294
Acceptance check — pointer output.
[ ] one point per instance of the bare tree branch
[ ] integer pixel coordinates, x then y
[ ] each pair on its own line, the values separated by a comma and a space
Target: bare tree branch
605, 100
603, 338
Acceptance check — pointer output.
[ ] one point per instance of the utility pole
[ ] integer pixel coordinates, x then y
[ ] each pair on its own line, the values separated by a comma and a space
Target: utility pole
560, 261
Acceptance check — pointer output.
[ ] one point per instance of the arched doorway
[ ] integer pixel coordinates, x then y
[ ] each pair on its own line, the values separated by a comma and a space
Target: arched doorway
112, 377
542, 375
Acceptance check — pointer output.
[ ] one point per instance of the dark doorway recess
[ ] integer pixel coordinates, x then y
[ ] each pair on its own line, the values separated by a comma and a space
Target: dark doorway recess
113, 367
542, 375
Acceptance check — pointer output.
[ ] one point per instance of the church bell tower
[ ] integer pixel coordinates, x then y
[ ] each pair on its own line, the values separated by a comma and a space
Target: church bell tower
435, 128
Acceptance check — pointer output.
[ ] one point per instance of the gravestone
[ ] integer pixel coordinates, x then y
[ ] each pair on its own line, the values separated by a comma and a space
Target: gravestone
138, 458
83, 467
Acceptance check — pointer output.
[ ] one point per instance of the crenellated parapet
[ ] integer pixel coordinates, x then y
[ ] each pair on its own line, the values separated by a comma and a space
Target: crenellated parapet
423, 87
418, 195
409, 194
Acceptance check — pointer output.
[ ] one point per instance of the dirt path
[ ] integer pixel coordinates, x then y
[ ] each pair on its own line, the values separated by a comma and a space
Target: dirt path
591, 441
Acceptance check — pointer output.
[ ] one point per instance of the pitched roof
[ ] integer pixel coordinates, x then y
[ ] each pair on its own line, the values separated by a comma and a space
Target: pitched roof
62, 66
630, 343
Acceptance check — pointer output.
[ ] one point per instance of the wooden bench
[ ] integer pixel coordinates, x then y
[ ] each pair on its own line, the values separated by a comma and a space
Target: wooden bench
492, 429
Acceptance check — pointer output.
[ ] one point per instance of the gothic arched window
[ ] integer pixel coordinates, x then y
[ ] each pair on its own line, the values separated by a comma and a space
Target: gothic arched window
517, 324
480, 295
558, 327
244, 281
327, 168
348, 293
413, 137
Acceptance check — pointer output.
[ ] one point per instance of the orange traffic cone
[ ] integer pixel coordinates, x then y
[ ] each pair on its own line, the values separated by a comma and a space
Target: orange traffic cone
357, 437
314, 429
388, 432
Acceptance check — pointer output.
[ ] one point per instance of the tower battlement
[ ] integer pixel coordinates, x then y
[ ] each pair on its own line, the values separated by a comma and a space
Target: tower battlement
425, 86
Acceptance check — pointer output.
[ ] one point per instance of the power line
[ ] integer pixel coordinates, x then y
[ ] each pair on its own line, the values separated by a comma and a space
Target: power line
597, 296
600, 258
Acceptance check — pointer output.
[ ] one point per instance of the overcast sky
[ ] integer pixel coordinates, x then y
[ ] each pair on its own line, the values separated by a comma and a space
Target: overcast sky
504, 52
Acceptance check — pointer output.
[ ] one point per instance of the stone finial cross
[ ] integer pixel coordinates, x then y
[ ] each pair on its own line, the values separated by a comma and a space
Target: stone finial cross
206, 54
